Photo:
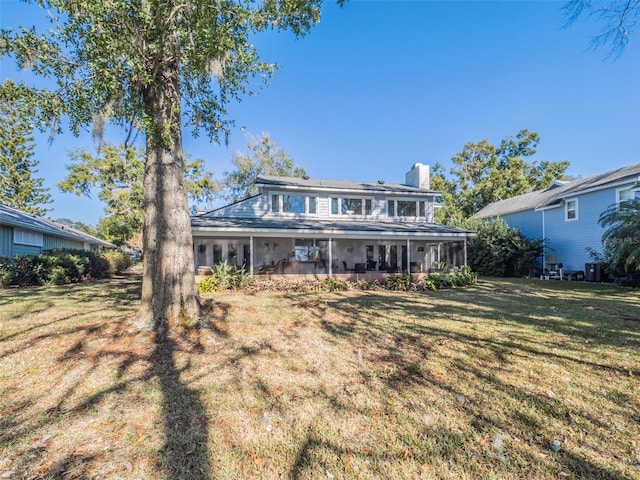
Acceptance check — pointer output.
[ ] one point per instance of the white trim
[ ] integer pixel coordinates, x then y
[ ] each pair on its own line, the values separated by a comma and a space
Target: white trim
540, 209
28, 237
576, 209
633, 189
604, 186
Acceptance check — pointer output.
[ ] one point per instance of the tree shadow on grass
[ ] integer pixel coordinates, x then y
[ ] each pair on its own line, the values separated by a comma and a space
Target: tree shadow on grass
185, 452
94, 341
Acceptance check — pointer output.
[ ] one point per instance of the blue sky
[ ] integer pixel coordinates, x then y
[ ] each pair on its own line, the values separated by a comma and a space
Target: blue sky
379, 85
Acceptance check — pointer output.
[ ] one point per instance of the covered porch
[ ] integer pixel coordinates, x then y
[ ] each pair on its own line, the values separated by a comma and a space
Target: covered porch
341, 250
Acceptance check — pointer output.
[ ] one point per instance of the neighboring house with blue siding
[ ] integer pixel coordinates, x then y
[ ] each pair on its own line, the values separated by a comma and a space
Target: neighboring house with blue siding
566, 213
25, 234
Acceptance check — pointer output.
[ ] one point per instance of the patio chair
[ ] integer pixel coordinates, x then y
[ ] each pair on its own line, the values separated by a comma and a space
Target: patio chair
347, 270
271, 269
360, 268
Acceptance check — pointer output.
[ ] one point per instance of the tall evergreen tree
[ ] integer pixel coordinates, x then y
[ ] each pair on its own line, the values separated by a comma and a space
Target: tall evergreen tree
19, 188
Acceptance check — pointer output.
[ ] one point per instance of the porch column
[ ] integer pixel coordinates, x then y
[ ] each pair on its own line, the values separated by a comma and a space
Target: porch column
330, 256
251, 255
409, 255
465, 251
439, 255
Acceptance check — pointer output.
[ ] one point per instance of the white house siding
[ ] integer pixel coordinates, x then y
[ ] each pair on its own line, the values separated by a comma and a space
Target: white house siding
323, 205
249, 208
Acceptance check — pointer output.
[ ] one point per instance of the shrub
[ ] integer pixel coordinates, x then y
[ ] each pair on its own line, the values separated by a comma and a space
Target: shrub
118, 262
29, 270
500, 251
52, 267
6, 272
333, 285
399, 283
224, 276
209, 284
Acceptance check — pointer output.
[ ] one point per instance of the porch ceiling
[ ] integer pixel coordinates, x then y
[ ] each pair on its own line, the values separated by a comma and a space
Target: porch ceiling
295, 227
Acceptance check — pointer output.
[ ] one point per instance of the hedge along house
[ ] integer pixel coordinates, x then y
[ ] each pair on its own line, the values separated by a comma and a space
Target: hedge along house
328, 227
25, 234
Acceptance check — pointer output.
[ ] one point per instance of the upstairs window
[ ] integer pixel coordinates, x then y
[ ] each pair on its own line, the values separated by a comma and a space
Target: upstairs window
391, 208
367, 207
406, 208
627, 195
293, 204
571, 210
349, 206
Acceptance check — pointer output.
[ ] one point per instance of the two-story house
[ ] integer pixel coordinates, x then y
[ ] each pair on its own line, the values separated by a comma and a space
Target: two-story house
327, 227
566, 214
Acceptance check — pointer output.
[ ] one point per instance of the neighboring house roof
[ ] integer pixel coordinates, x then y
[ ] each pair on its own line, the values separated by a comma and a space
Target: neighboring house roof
554, 195
19, 219
300, 226
316, 183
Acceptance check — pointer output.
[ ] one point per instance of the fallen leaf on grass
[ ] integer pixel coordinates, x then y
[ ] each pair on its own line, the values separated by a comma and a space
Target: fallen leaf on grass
45, 467
8, 474
41, 443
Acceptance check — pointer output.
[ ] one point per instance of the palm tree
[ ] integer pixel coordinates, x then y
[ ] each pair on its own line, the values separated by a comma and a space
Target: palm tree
622, 235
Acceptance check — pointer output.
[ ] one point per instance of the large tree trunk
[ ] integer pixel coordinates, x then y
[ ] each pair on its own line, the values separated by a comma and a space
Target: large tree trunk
169, 293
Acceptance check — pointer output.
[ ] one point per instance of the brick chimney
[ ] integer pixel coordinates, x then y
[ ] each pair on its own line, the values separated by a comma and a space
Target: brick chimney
418, 176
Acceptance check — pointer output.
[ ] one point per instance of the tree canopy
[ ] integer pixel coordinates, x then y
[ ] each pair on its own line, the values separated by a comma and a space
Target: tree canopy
265, 157
153, 65
19, 188
484, 173
117, 173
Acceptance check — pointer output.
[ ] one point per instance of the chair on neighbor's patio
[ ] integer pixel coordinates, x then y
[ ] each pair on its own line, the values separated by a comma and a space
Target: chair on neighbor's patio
360, 268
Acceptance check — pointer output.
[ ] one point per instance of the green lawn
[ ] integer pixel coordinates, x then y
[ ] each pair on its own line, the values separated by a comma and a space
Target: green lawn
465, 383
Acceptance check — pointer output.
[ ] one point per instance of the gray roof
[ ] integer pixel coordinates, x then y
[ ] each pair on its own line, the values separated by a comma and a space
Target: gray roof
556, 193
17, 218
324, 184
276, 225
